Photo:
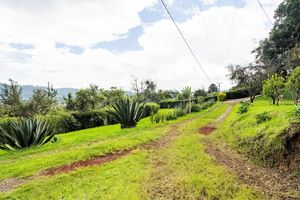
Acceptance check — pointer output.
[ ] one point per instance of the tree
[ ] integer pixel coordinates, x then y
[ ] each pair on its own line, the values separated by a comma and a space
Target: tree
274, 88
293, 84
70, 102
285, 35
83, 100
137, 87
212, 88
111, 96
40, 102
150, 91
200, 92
249, 77
51, 94
11, 96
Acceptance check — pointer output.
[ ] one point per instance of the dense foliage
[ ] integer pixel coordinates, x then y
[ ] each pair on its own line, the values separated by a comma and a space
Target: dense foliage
273, 88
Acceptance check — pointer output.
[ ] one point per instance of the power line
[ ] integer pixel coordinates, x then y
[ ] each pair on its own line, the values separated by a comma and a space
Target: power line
185, 41
265, 12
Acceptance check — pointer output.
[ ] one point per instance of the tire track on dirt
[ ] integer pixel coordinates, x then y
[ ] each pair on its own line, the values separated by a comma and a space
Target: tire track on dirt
10, 184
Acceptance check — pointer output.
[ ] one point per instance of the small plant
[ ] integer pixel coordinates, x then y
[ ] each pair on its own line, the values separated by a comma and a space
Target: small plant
27, 133
263, 117
127, 112
244, 107
296, 113
207, 104
171, 116
156, 118
196, 107
221, 96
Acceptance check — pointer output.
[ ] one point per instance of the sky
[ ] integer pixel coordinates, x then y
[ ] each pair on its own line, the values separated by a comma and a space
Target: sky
73, 43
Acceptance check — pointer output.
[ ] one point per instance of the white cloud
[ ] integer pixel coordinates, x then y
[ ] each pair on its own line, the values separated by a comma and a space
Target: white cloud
164, 57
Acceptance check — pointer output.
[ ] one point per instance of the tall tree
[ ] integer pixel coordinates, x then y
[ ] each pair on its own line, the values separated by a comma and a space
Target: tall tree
200, 92
11, 96
274, 88
70, 102
40, 102
212, 88
274, 51
249, 77
293, 85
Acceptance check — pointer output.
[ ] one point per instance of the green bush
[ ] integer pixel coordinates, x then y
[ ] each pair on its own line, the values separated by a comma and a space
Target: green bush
26, 133
207, 104
263, 117
5, 121
171, 116
196, 107
237, 94
244, 107
221, 96
157, 118
89, 119
200, 99
127, 112
296, 113
150, 108
62, 121
173, 103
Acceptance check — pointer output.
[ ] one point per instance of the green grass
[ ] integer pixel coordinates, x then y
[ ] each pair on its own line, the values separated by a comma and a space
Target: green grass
181, 170
264, 141
80, 145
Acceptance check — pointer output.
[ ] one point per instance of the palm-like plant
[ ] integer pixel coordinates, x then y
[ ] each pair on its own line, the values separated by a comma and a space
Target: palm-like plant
127, 112
27, 133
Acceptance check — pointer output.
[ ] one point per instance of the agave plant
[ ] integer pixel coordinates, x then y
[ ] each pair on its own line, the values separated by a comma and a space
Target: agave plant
127, 112
27, 133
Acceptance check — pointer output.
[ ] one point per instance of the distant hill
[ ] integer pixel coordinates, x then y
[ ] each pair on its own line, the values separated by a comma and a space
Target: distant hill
27, 91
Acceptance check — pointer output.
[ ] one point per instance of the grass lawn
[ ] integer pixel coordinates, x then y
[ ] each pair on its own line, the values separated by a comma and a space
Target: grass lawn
180, 170
81, 145
258, 139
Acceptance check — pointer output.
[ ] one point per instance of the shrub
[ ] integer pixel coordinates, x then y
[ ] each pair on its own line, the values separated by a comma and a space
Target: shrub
237, 94
156, 118
200, 99
5, 121
221, 96
27, 133
171, 116
207, 104
89, 119
263, 117
196, 107
61, 121
296, 113
244, 107
127, 112
150, 108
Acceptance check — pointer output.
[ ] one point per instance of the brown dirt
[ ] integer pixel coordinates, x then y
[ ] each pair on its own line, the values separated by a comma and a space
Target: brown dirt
206, 130
99, 160
274, 184
11, 183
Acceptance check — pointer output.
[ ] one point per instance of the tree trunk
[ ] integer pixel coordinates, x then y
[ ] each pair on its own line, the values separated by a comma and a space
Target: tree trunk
274, 101
252, 97
277, 101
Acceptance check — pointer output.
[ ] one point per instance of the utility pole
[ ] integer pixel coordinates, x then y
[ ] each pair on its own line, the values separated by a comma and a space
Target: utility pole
219, 85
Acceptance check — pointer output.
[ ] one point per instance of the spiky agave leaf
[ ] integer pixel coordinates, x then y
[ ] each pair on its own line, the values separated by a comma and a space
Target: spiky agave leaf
27, 133
127, 112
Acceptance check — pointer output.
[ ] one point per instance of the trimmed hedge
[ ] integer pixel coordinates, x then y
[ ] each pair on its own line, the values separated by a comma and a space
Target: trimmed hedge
151, 108
237, 94
173, 103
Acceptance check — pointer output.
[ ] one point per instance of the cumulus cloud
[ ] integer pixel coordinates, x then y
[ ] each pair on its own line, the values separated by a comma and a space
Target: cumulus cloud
164, 57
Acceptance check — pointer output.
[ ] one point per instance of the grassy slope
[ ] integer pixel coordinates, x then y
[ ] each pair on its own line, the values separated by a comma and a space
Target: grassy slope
240, 130
80, 145
188, 169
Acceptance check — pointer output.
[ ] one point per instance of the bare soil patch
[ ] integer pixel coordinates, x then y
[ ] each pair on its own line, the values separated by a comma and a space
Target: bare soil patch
11, 183
273, 183
206, 130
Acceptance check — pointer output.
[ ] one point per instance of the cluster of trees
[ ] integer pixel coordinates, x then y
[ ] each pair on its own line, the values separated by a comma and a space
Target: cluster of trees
276, 85
41, 101
279, 53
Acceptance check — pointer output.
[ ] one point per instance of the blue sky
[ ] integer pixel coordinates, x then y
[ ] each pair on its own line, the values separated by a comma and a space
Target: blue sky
107, 43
